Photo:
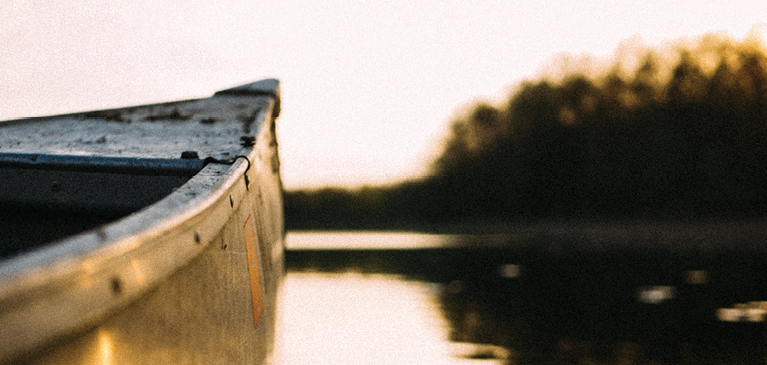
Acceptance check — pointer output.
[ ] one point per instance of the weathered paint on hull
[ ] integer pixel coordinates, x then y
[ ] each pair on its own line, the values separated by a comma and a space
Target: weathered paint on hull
171, 283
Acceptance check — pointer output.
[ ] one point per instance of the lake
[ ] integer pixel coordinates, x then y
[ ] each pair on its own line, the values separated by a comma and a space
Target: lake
607, 295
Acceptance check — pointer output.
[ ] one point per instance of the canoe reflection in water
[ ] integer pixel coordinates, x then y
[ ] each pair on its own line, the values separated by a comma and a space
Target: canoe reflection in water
570, 298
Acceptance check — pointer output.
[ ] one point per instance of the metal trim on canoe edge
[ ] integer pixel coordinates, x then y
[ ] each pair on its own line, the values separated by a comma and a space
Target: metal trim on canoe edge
108, 164
84, 278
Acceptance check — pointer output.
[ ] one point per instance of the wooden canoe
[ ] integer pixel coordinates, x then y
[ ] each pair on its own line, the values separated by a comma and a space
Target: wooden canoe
143, 235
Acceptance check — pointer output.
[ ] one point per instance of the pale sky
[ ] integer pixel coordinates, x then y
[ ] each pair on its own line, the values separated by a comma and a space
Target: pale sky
369, 87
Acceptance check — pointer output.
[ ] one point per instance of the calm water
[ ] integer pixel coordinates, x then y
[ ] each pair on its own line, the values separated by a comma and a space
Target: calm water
599, 298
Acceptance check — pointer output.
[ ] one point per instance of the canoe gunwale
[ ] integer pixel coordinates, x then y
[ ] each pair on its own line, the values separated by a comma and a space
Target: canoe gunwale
94, 273
115, 165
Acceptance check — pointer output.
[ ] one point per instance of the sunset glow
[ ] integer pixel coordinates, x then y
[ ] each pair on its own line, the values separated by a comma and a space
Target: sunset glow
368, 88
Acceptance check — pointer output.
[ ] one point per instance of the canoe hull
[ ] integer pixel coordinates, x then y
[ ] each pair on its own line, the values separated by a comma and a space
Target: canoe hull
191, 279
201, 314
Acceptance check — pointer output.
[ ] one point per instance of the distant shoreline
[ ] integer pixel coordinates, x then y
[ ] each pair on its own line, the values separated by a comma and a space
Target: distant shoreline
752, 226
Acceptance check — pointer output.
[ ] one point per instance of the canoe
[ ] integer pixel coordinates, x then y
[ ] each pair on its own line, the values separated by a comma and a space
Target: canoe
143, 235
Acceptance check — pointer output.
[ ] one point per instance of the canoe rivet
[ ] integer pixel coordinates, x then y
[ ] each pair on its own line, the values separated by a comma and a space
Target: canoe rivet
101, 234
55, 187
196, 237
247, 141
116, 285
190, 155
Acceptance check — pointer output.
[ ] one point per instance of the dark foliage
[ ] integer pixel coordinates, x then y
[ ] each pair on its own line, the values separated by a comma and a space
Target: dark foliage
685, 140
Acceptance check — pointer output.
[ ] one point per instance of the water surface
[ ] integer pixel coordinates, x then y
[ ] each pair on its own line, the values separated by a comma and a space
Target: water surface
351, 318
559, 298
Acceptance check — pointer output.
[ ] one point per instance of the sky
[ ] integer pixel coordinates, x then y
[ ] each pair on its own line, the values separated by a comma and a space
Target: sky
368, 87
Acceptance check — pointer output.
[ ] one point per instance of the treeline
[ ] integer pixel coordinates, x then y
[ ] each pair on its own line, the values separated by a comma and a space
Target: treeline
677, 136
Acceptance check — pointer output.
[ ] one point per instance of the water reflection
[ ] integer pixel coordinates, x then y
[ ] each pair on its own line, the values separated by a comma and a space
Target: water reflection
367, 319
743, 312
328, 240
655, 294
539, 300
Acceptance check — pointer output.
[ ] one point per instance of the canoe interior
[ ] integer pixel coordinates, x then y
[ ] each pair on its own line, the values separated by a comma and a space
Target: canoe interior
47, 197
65, 174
